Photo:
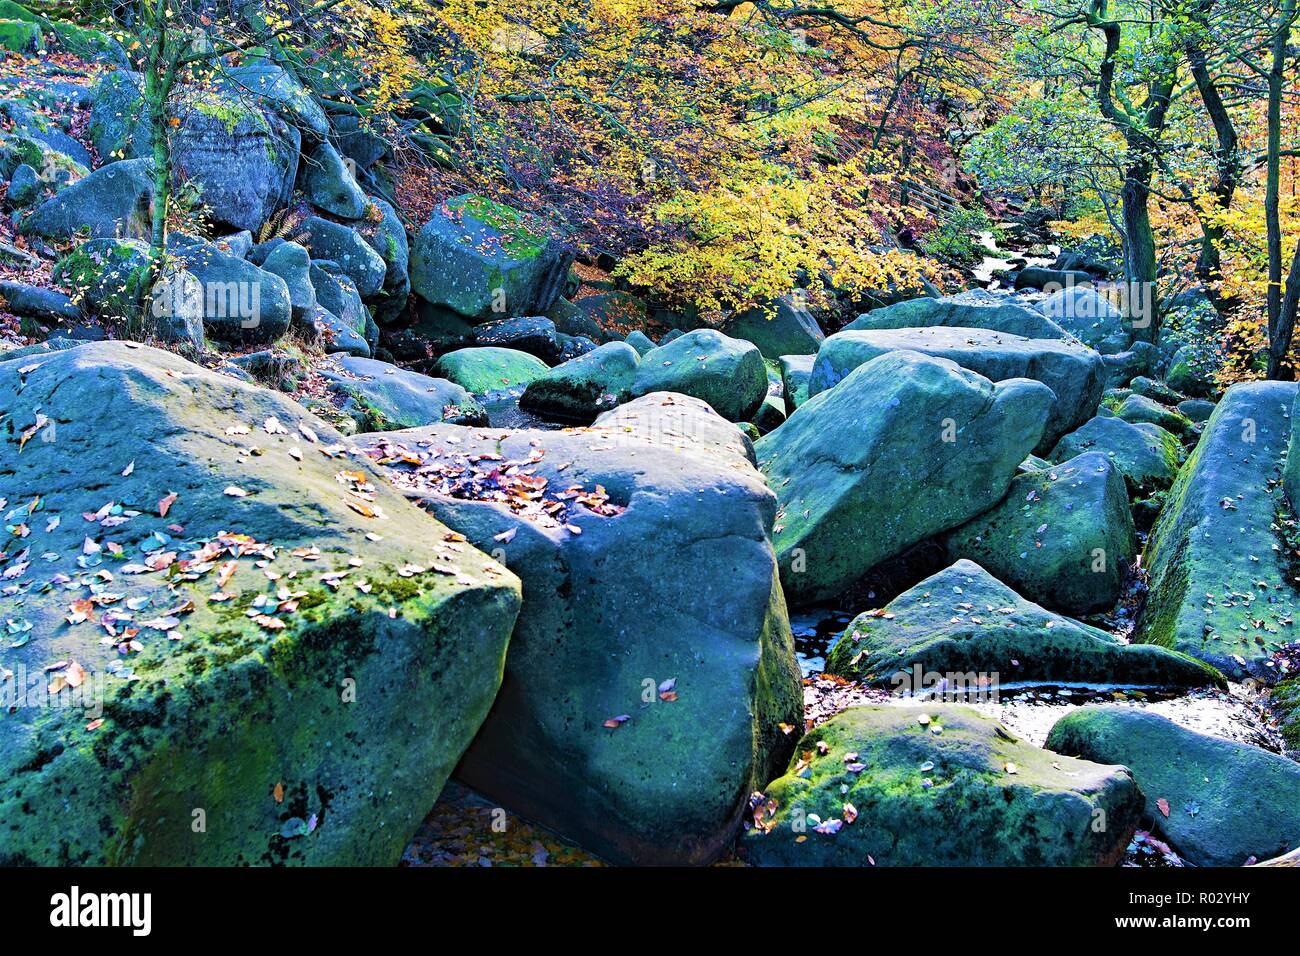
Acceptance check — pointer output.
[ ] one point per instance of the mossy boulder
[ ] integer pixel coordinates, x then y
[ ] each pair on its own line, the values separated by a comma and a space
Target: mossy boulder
1145, 454
921, 313
279, 91
383, 231
1284, 699
782, 327
246, 669
904, 448
641, 705
112, 202
490, 369
50, 168
1221, 582
486, 260
1195, 409
1218, 802
17, 36
242, 160
1138, 408
1074, 373
972, 795
963, 624
727, 373
382, 397
106, 276
583, 388
119, 126
1063, 536
1157, 391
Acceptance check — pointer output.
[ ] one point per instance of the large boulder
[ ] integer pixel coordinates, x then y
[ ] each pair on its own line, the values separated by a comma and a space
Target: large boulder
877, 786
1089, 316
783, 327
338, 296
1221, 583
342, 244
232, 657
906, 447
727, 373
796, 370
382, 397
965, 626
241, 303
292, 263
328, 183
534, 334
383, 231
242, 159
1062, 536
485, 260
999, 315
278, 91
1146, 455
118, 127
1216, 801
582, 388
489, 369
641, 705
1075, 374
115, 201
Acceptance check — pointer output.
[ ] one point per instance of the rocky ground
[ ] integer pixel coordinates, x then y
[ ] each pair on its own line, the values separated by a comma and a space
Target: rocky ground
422, 514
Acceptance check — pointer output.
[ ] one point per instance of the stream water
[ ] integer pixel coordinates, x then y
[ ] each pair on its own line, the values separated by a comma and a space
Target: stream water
1030, 710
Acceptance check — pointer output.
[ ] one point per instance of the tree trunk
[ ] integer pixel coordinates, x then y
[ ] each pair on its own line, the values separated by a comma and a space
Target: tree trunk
1140, 262
1281, 308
